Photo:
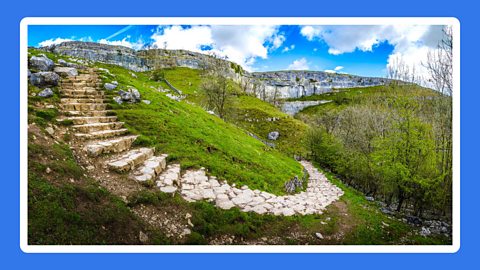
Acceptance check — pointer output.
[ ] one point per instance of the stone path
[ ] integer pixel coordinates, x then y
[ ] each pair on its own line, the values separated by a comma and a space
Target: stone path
196, 185
83, 102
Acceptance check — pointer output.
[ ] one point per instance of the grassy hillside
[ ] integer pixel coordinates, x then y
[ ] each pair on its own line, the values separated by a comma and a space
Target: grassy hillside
67, 207
247, 112
195, 138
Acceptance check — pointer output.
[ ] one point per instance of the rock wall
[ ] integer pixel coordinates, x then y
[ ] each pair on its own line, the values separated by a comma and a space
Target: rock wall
265, 85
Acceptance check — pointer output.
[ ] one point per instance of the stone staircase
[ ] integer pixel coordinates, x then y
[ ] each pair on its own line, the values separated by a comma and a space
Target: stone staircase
101, 134
103, 140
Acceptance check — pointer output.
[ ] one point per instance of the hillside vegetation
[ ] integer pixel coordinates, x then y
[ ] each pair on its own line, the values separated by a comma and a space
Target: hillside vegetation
391, 142
66, 206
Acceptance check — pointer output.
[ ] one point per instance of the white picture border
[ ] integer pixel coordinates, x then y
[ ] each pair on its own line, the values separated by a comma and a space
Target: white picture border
236, 248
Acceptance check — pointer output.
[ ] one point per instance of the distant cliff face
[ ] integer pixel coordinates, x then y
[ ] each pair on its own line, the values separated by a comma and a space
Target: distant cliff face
265, 85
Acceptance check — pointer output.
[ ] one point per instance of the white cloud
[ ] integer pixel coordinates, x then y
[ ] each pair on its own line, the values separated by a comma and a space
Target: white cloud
241, 44
178, 38
52, 41
299, 64
335, 70
411, 42
124, 42
288, 48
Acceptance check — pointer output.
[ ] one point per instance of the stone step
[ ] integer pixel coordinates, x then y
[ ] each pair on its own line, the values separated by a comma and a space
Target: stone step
150, 168
94, 127
84, 106
169, 180
66, 84
103, 134
89, 113
81, 120
115, 145
83, 100
130, 160
81, 92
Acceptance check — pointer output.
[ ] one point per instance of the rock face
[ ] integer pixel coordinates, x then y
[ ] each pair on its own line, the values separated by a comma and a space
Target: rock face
265, 85
117, 55
44, 78
41, 63
293, 107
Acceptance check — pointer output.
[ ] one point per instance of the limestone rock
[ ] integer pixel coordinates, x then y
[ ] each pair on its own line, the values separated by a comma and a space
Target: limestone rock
41, 63
110, 86
273, 135
47, 92
44, 78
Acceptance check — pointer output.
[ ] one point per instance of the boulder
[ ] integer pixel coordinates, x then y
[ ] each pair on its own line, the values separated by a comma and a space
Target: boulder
132, 95
47, 92
41, 63
66, 71
110, 86
44, 78
273, 135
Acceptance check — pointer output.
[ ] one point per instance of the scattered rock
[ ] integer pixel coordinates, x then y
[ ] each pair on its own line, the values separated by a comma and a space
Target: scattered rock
41, 63
146, 101
425, 232
44, 78
110, 86
118, 100
369, 198
319, 235
131, 96
273, 135
66, 71
50, 131
48, 170
47, 92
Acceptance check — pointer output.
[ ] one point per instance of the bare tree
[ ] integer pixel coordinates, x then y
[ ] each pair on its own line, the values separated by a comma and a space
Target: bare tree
440, 63
216, 89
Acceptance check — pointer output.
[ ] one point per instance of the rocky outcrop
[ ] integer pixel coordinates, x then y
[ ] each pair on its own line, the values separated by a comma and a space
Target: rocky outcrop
116, 55
266, 85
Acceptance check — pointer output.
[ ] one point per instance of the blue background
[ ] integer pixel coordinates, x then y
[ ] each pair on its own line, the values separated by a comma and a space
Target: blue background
13, 258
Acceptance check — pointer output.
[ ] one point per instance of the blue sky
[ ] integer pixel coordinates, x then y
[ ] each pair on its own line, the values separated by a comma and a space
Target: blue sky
354, 49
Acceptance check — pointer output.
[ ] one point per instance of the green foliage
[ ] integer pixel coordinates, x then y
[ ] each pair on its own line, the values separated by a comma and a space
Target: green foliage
381, 141
158, 75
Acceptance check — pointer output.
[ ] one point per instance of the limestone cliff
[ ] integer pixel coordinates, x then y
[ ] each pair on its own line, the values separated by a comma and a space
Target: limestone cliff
265, 85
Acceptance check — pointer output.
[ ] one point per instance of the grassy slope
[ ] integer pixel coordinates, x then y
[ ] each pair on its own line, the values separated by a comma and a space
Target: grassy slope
245, 111
197, 139
61, 211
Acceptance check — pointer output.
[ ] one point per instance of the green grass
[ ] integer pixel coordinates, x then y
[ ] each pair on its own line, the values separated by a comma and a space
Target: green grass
65, 207
197, 139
